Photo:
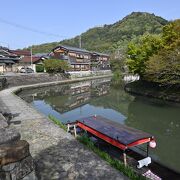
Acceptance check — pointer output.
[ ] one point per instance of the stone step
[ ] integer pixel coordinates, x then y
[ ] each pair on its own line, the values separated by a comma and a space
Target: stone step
3, 122
9, 136
10, 153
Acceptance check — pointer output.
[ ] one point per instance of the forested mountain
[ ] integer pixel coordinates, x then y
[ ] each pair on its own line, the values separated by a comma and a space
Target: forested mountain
109, 37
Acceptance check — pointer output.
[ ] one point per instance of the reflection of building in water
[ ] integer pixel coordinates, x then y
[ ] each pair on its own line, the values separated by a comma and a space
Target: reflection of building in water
79, 94
64, 98
100, 90
43, 92
80, 88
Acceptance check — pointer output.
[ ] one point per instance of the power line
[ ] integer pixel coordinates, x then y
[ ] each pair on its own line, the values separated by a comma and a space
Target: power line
29, 28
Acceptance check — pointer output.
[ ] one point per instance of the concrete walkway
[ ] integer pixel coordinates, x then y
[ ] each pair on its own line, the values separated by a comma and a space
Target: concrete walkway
57, 154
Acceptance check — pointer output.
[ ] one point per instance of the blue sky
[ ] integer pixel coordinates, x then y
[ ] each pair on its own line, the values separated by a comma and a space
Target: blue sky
57, 19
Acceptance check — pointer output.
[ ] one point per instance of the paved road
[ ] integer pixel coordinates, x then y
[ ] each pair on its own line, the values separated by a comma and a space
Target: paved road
57, 154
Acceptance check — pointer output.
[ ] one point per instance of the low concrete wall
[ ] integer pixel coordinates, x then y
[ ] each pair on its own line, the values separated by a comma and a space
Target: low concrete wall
131, 78
35, 78
81, 74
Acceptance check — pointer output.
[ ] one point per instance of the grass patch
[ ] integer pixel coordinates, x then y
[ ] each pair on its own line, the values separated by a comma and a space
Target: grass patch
57, 122
84, 139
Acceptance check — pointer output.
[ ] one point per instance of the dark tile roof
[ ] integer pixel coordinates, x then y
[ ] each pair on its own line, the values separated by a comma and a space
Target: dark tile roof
6, 61
100, 54
9, 58
6, 53
74, 49
41, 54
4, 48
27, 59
21, 52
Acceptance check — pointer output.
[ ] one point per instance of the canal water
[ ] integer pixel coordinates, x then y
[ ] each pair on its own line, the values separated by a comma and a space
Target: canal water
100, 97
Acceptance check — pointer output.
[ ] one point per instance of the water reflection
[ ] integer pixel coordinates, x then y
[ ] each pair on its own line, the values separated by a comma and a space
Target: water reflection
73, 101
161, 120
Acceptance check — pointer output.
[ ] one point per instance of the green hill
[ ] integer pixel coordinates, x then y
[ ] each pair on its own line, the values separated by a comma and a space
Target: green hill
104, 39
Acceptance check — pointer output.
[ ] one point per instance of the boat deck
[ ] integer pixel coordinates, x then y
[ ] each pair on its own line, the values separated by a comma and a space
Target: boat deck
114, 133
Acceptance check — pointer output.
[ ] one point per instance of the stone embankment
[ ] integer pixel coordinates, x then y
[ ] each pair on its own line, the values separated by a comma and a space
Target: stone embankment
26, 79
57, 154
34, 78
16, 161
169, 93
3, 82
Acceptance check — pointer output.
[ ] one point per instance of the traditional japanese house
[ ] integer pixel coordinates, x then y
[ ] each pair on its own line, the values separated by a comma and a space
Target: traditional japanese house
100, 61
7, 59
81, 59
21, 53
26, 58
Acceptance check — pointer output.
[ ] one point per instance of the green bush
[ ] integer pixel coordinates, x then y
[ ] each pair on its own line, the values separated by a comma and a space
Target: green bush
39, 68
56, 66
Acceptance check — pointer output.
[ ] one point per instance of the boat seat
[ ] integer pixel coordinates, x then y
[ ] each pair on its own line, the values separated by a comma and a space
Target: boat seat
144, 162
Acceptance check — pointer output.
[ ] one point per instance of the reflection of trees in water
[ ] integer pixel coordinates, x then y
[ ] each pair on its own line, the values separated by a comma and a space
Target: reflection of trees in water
162, 121
153, 116
117, 99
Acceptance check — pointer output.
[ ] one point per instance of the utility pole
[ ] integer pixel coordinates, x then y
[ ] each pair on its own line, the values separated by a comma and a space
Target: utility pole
80, 44
31, 56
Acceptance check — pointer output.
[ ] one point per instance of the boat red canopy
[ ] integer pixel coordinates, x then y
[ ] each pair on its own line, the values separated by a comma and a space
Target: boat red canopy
114, 133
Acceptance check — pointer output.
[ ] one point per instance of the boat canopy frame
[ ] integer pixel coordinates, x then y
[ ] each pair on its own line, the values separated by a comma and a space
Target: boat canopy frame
116, 134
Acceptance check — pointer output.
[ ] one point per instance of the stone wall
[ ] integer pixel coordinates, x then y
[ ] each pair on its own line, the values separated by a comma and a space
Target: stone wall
16, 161
3, 82
154, 90
26, 79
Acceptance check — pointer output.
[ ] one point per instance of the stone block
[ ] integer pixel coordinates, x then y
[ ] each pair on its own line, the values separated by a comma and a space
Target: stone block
3, 82
31, 176
23, 169
2, 117
3, 122
10, 153
10, 166
5, 176
9, 136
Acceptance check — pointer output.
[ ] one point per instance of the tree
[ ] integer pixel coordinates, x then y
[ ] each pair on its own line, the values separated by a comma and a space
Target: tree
164, 67
171, 34
56, 66
140, 50
39, 68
